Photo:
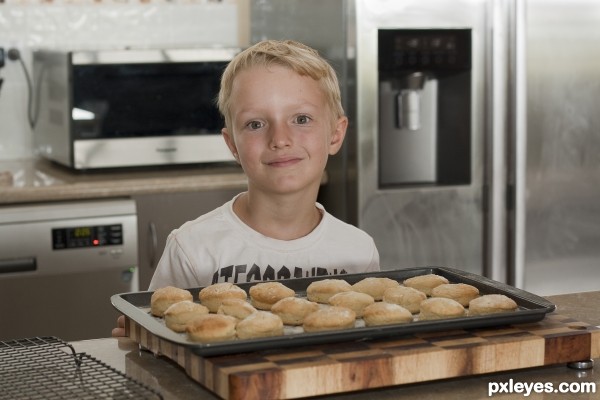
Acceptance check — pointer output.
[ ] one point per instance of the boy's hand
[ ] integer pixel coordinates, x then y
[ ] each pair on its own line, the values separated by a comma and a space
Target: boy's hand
119, 331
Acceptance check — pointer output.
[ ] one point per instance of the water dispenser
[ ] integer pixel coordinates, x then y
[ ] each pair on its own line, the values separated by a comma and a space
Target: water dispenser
424, 106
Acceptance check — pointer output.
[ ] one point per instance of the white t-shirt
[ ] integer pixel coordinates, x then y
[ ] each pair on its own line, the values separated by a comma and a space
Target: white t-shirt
219, 247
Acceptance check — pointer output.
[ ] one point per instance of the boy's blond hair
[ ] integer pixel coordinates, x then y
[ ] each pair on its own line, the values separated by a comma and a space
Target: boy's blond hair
288, 53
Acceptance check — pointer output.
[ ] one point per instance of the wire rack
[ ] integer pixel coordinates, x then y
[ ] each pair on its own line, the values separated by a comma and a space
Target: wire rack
49, 368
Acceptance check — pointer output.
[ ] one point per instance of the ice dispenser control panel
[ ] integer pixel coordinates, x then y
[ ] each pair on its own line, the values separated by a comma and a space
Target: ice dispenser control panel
87, 236
424, 49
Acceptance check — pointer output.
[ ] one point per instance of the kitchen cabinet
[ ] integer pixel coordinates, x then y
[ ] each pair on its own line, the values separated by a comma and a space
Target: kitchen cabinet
160, 213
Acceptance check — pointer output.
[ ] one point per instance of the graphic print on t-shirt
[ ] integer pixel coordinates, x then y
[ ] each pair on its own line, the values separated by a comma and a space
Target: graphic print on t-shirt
242, 274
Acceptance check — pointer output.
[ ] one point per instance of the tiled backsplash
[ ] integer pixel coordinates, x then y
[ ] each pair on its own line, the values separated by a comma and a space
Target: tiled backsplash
81, 24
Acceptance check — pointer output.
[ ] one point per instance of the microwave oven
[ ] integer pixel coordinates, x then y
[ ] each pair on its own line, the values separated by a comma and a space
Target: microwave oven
128, 108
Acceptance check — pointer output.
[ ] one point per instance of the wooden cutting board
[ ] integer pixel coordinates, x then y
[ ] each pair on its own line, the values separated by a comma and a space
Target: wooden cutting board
350, 366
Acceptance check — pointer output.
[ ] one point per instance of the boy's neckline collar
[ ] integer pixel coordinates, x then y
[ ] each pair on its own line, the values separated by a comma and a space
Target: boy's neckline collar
318, 207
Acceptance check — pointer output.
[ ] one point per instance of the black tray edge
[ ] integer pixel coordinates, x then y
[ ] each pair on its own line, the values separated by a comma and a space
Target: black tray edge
537, 308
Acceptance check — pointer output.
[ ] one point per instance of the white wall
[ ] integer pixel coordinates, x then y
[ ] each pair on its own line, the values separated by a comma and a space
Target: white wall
82, 24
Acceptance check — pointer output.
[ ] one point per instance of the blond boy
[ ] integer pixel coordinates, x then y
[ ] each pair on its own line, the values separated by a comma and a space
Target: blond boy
283, 119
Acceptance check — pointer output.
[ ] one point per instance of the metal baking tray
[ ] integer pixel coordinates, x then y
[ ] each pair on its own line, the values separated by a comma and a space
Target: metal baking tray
531, 308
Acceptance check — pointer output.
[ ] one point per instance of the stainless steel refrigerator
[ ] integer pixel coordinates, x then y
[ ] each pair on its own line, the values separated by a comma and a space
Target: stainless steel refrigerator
474, 130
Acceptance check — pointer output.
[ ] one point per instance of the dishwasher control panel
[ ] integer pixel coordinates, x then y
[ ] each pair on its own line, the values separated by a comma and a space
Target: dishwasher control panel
67, 237
87, 236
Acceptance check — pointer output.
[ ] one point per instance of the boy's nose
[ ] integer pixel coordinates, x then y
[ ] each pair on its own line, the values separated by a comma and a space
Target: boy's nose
280, 136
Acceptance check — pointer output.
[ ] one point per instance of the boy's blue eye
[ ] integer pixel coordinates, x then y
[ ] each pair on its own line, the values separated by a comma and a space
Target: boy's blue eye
254, 125
302, 119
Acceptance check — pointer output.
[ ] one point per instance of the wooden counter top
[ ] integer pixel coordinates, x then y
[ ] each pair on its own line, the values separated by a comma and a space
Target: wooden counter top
37, 180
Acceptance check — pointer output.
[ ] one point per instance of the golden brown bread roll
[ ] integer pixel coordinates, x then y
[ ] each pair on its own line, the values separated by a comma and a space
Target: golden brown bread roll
264, 295
382, 313
491, 303
164, 297
355, 301
425, 283
292, 310
330, 318
179, 314
461, 292
321, 290
259, 324
440, 308
407, 297
236, 308
209, 328
374, 286
212, 296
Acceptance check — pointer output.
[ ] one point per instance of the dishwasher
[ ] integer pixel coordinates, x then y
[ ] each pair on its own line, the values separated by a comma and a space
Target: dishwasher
61, 262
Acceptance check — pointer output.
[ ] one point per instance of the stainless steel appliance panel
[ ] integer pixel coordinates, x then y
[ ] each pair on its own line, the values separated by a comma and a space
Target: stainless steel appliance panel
162, 150
61, 262
562, 215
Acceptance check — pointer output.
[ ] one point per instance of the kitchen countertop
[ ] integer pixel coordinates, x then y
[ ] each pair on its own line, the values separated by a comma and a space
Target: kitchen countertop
36, 180
172, 382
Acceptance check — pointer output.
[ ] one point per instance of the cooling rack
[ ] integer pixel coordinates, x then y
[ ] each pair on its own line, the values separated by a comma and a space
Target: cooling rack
49, 368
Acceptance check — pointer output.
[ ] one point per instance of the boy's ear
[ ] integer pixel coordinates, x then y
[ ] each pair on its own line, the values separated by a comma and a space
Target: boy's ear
338, 135
228, 137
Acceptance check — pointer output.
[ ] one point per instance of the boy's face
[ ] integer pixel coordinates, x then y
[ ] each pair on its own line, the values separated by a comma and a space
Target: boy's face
282, 129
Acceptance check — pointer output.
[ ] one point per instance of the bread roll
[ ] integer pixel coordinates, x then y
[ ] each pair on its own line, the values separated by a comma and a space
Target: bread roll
259, 324
355, 301
382, 313
211, 328
164, 297
321, 290
491, 303
212, 296
264, 295
425, 283
330, 318
440, 308
406, 297
236, 308
374, 286
292, 310
179, 314
461, 292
